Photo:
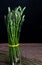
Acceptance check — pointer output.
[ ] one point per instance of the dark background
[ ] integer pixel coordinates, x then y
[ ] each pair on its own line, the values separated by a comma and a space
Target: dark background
31, 30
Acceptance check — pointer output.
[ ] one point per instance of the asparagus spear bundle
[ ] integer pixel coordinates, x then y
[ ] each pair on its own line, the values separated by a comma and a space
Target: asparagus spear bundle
15, 19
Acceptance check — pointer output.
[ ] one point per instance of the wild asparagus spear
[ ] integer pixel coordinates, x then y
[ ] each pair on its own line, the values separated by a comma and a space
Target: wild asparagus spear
15, 19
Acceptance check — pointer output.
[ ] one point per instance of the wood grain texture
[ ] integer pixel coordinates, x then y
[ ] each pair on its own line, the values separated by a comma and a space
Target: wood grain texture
32, 54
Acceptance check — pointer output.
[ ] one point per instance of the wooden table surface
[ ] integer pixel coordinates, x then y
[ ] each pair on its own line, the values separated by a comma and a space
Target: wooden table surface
29, 50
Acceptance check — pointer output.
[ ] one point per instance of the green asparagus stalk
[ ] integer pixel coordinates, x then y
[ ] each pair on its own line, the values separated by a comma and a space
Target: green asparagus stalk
15, 19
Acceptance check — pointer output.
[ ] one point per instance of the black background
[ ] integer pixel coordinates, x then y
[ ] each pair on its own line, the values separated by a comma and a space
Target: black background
31, 30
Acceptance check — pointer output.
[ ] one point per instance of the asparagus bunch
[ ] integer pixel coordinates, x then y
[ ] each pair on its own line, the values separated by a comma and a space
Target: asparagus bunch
15, 19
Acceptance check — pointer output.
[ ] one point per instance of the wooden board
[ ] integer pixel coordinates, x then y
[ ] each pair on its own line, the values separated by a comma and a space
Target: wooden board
4, 60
